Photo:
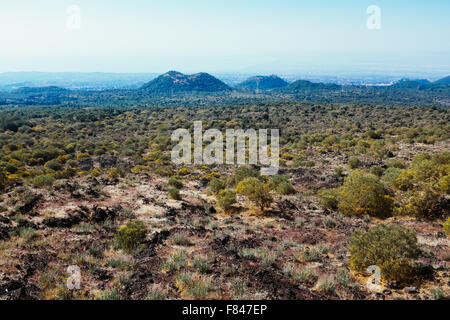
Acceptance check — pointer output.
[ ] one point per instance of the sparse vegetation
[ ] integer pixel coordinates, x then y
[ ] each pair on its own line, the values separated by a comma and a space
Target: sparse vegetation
72, 178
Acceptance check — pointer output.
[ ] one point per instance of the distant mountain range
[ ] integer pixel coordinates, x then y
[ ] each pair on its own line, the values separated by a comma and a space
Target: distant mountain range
175, 88
74, 80
263, 83
445, 80
175, 82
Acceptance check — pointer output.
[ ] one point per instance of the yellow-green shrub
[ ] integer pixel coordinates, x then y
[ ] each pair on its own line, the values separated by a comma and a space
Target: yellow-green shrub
43, 181
216, 185
226, 199
174, 193
175, 182
362, 194
242, 173
391, 248
130, 235
257, 192
444, 184
354, 163
281, 185
329, 198
425, 203
405, 180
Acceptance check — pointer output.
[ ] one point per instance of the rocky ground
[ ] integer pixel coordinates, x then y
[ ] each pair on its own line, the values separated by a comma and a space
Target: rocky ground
295, 250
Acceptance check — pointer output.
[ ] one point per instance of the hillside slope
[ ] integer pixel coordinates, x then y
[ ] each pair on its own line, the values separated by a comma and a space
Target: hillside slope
262, 83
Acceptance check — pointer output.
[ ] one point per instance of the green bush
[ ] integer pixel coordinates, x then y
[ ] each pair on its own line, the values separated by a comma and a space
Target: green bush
43, 181
426, 203
54, 165
391, 248
226, 199
285, 188
281, 185
329, 198
362, 194
130, 235
354, 163
216, 185
174, 194
257, 191
405, 180
444, 184
243, 173
430, 169
376, 171
390, 176
176, 183
396, 163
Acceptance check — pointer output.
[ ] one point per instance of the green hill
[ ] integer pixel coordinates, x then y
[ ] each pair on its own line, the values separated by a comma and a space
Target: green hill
445, 80
263, 83
176, 82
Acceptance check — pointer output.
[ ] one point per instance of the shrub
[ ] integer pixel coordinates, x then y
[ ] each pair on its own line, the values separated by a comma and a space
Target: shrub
390, 176
181, 240
444, 184
426, 203
226, 199
130, 235
389, 247
54, 165
28, 234
256, 191
326, 285
329, 198
447, 226
82, 156
405, 180
285, 188
362, 194
3, 180
216, 185
113, 173
376, 171
202, 265
396, 163
281, 185
243, 173
176, 183
192, 286
423, 167
174, 194
184, 171
354, 163
175, 262
43, 181
339, 171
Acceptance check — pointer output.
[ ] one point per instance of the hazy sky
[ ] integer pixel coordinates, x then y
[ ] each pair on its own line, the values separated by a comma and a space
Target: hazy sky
219, 35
